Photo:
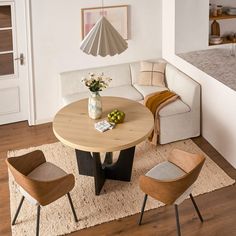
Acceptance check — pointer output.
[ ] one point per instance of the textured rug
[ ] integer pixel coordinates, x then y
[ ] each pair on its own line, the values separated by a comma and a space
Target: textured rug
117, 199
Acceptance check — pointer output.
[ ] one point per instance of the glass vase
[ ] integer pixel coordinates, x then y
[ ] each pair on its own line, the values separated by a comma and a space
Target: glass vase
95, 105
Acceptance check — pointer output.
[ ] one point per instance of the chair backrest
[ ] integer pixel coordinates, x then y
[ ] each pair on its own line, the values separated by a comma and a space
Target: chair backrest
26, 163
41, 191
167, 191
21, 166
185, 160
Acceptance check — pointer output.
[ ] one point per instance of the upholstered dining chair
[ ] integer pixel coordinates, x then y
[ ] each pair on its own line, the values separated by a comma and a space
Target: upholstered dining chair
171, 182
40, 182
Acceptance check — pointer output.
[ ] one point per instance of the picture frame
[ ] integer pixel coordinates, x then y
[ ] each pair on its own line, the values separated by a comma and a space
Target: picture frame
116, 15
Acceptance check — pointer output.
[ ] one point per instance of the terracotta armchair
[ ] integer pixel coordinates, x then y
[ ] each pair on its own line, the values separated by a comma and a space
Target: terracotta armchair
40, 182
171, 182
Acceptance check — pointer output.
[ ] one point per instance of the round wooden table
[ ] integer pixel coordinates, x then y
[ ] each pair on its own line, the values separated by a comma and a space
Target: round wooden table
73, 127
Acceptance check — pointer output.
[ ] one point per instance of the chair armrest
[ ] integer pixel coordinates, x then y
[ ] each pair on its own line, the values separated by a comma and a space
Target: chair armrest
183, 85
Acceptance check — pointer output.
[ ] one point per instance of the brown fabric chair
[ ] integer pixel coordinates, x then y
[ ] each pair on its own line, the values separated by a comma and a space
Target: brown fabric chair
171, 182
40, 182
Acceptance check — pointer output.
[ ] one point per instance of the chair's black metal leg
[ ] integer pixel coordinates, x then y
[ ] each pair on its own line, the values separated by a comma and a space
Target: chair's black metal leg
196, 208
72, 207
142, 211
38, 219
177, 220
18, 210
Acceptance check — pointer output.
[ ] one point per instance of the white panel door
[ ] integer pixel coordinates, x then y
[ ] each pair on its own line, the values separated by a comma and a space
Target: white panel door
13, 62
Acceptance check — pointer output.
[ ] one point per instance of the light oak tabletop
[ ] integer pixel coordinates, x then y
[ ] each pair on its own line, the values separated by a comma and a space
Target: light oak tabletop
73, 127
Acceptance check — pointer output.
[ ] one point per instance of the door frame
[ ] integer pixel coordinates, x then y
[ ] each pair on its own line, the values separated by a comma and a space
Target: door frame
31, 74
30, 96
30, 80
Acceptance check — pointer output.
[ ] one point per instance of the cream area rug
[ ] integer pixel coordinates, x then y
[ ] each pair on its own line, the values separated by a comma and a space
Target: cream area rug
117, 199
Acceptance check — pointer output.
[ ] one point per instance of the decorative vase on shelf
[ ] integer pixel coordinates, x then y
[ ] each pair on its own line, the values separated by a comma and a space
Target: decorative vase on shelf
95, 105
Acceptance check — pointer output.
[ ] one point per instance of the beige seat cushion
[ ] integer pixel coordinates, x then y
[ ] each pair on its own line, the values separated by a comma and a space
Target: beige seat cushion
165, 171
146, 90
174, 108
44, 172
47, 172
152, 73
126, 91
168, 171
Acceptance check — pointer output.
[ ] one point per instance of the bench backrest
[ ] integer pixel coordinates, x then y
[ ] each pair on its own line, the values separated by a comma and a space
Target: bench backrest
71, 81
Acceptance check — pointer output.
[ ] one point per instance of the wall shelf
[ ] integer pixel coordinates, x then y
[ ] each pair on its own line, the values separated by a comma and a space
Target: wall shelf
225, 41
222, 17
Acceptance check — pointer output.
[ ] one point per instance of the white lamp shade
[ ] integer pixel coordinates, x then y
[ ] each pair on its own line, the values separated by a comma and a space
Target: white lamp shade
103, 40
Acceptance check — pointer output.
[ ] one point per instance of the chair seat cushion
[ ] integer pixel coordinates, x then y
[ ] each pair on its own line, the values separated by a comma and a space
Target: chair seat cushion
44, 172
146, 90
165, 171
47, 172
173, 108
168, 171
126, 91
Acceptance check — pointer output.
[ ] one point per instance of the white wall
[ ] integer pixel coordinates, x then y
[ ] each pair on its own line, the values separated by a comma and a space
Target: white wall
56, 39
191, 25
218, 101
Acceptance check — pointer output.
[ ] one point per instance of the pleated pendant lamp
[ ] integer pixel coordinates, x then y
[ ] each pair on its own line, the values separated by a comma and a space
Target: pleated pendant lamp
103, 39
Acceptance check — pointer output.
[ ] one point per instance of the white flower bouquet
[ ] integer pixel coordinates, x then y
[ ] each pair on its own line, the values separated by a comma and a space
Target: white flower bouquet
96, 83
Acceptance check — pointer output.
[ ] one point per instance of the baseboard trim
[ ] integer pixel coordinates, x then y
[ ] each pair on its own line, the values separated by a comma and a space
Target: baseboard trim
43, 121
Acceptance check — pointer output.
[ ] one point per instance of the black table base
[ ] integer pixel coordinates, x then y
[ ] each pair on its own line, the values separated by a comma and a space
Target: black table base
91, 165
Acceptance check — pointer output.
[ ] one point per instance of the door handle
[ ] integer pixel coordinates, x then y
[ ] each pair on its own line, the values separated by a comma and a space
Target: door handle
21, 59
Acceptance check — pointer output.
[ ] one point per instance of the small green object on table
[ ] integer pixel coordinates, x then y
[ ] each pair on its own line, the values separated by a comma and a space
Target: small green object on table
116, 116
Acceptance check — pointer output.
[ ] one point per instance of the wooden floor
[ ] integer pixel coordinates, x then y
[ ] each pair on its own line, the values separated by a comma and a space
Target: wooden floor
218, 208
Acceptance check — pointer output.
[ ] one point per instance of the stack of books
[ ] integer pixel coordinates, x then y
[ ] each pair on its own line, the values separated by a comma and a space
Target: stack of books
103, 126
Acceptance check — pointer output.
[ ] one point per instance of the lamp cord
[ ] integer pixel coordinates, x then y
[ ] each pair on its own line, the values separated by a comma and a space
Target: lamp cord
102, 7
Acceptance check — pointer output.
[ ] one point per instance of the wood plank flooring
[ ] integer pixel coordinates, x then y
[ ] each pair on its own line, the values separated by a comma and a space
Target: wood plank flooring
218, 208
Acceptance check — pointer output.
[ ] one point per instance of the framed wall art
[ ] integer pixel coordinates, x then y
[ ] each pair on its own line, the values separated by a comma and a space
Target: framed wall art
116, 15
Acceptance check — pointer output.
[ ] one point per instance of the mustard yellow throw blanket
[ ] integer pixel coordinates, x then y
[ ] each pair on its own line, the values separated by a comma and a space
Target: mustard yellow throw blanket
154, 102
